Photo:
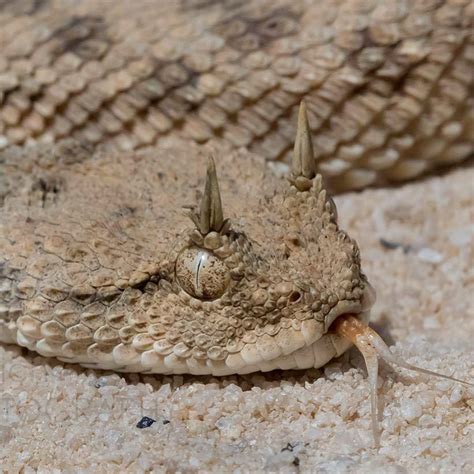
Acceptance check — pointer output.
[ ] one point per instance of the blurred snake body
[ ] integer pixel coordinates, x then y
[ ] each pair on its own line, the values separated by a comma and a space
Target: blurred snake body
386, 83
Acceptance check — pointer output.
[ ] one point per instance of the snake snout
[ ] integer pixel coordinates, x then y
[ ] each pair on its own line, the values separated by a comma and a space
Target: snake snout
369, 297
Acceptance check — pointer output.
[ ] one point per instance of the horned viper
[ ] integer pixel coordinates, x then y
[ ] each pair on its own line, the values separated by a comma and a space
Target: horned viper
99, 268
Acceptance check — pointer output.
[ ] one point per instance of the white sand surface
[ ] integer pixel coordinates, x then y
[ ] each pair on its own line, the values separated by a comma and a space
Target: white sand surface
60, 417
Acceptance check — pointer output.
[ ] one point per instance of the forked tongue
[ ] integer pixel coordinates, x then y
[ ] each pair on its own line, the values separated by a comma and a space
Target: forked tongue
372, 346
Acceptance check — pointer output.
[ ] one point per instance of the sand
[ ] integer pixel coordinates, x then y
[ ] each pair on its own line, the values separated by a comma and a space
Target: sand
61, 418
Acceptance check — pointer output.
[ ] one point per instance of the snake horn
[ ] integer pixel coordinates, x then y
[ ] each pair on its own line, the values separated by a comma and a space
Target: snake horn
303, 166
210, 215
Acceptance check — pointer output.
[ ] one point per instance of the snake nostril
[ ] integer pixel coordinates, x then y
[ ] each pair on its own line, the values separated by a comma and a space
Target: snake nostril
293, 241
294, 297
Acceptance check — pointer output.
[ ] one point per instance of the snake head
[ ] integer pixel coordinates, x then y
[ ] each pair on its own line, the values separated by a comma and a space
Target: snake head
104, 275
262, 292
113, 278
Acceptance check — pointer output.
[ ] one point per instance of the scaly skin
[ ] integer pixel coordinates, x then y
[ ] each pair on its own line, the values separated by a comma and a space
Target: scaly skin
386, 82
99, 266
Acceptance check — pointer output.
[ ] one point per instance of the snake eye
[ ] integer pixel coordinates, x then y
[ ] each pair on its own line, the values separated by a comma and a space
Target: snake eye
201, 274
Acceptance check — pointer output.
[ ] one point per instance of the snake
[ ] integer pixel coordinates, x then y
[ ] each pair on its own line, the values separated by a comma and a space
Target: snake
108, 116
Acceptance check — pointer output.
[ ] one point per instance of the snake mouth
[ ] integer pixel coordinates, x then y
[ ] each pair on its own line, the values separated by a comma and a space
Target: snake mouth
311, 344
306, 344
297, 349
360, 309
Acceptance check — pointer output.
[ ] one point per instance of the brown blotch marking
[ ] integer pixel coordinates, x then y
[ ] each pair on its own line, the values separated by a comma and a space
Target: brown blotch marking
47, 188
191, 5
257, 34
77, 31
22, 7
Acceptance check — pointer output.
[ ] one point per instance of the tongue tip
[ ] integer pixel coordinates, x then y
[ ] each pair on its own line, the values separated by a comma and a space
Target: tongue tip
372, 346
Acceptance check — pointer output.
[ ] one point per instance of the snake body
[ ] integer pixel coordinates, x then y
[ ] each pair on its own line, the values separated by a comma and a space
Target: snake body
386, 83
98, 266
